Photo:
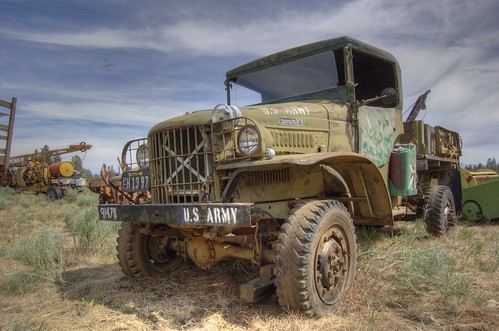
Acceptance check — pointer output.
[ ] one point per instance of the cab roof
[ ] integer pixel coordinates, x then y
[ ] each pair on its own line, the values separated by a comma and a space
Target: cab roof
307, 50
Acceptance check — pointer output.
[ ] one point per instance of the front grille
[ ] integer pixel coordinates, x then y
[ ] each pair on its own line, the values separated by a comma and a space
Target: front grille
297, 141
267, 177
293, 139
180, 164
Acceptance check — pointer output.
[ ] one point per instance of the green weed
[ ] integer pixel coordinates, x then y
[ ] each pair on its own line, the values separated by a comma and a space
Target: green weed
412, 234
476, 248
466, 233
43, 255
433, 269
89, 235
410, 268
87, 198
82, 197
29, 200
71, 195
7, 197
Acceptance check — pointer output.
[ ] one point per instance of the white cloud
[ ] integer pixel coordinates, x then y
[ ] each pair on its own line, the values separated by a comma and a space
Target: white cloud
422, 23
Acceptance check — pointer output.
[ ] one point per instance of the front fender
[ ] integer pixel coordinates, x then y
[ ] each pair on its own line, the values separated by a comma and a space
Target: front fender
366, 192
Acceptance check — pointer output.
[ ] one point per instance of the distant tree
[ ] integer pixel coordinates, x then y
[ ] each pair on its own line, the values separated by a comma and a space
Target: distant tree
87, 174
35, 156
491, 163
110, 170
56, 159
78, 163
44, 157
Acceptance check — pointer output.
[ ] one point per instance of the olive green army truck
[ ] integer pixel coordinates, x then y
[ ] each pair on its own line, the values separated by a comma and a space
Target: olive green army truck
321, 147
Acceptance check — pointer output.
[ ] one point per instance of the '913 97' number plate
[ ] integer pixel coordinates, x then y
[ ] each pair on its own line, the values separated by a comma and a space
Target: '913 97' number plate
135, 181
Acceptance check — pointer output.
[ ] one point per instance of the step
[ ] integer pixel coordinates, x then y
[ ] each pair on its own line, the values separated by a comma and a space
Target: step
256, 290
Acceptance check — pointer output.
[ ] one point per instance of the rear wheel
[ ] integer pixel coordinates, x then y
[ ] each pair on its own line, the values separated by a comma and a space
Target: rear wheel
316, 258
53, 193
145, 255
472, 211
440, 216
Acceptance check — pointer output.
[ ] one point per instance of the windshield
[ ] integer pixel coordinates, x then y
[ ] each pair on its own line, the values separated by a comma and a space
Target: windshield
314, 73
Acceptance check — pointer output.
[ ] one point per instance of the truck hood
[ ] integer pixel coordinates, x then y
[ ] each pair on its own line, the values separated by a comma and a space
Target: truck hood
310, 114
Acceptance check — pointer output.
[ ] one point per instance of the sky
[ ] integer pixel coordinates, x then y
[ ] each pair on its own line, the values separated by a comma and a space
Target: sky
104, 72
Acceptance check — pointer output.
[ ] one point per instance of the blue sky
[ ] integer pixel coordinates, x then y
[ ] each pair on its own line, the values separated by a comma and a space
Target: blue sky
105, 71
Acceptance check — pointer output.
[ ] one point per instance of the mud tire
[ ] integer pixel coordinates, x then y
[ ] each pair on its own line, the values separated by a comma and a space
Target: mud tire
142, 255
440, 215
316, 258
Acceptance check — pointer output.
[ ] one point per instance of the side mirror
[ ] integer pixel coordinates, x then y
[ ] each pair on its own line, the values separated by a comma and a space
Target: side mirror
389, 96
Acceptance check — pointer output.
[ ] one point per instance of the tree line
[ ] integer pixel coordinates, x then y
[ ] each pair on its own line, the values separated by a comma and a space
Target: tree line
490, 164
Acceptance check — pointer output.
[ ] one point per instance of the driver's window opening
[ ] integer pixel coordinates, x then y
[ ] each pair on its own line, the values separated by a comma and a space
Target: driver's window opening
371, 76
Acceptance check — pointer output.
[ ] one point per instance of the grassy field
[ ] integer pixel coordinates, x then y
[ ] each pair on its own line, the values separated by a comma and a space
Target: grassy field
59, 272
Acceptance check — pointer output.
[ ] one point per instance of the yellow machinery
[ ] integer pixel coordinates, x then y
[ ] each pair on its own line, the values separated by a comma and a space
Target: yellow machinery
22, 160
29, 172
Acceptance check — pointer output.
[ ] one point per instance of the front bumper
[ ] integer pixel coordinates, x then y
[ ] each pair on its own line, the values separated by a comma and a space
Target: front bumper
207, 214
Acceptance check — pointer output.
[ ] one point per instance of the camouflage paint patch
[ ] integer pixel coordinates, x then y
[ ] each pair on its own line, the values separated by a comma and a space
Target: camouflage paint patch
376, 127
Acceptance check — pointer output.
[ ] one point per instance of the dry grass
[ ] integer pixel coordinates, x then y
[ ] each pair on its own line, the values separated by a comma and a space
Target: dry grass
405, 281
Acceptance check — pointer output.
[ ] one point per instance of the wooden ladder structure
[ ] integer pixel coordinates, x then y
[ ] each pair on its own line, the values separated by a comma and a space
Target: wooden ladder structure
6, 131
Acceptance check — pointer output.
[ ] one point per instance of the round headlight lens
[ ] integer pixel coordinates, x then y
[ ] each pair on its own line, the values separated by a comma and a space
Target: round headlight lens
249, 139
143, 156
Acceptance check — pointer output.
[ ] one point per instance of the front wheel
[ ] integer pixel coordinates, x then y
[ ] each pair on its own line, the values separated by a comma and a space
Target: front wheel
440, 214
145, 255
316, 258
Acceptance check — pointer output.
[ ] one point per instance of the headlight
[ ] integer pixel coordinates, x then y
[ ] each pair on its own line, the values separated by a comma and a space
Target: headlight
248, 140
224, 113
143, 156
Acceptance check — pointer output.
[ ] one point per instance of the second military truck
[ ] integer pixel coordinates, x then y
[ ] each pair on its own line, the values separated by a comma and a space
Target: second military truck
321, 147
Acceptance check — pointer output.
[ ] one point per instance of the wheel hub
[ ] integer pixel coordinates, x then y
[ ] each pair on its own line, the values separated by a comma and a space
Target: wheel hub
157, 250
331, 265
331, 262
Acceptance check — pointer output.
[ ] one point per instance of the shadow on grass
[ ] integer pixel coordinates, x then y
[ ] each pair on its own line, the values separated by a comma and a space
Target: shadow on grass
185, 298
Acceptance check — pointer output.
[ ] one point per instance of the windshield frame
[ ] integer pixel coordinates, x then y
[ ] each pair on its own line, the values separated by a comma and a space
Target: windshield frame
299, 78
